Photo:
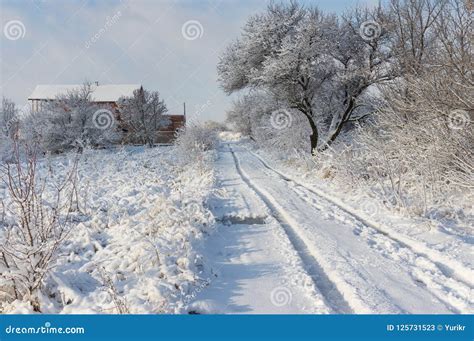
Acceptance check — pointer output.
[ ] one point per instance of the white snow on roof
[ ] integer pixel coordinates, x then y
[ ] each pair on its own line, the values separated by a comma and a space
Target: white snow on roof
100, 93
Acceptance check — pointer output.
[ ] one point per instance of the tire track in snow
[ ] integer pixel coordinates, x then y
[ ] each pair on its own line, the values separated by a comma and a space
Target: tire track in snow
447, 266
328, 288
423, 270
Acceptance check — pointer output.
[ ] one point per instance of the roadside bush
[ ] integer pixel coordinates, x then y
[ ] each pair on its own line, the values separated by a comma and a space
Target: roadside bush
195, 139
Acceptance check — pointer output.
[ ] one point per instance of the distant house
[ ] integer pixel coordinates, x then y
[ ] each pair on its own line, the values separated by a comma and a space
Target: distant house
106, 96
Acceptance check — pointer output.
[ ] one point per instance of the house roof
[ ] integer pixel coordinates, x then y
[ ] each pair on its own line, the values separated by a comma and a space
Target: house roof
100, 93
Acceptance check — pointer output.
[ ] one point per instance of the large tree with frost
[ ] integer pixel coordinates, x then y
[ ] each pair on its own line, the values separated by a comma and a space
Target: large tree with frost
315, 63
248, 110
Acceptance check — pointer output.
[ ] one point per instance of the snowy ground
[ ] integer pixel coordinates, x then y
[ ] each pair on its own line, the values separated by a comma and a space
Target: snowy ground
133, 248
234, 232
287, 247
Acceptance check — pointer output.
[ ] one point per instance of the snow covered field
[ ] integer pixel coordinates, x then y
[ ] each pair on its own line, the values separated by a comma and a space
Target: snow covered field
233, 232
133, 246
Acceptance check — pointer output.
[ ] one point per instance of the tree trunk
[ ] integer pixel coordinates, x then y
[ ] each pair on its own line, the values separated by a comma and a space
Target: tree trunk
338, 129
314, 142
313, 138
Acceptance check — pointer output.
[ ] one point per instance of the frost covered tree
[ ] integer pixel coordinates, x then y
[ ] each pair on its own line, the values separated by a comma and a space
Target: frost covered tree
439, 79
215, 126
247, 110
191, 142
314, 63
8, 118
429, 112
9, 124
414, 35
142, 115
418, 147
273, 54
72, 120
363, 60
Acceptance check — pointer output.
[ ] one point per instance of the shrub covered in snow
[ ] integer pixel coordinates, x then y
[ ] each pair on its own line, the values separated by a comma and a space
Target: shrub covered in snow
195, 139
138, 219
34, 225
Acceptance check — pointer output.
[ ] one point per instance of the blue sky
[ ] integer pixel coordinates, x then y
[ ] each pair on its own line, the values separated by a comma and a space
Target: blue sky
134, 41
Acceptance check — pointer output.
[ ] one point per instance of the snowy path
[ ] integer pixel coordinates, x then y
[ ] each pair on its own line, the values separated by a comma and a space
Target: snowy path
256, 268
352, 267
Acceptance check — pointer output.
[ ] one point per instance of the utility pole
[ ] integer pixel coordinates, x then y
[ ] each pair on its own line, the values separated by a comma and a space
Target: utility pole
184, 112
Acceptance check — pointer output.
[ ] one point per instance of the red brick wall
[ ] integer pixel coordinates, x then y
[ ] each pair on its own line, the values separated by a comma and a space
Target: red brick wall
167, 134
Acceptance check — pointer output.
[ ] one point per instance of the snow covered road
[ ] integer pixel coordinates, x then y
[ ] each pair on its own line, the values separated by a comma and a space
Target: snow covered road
282, 248
257, 269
